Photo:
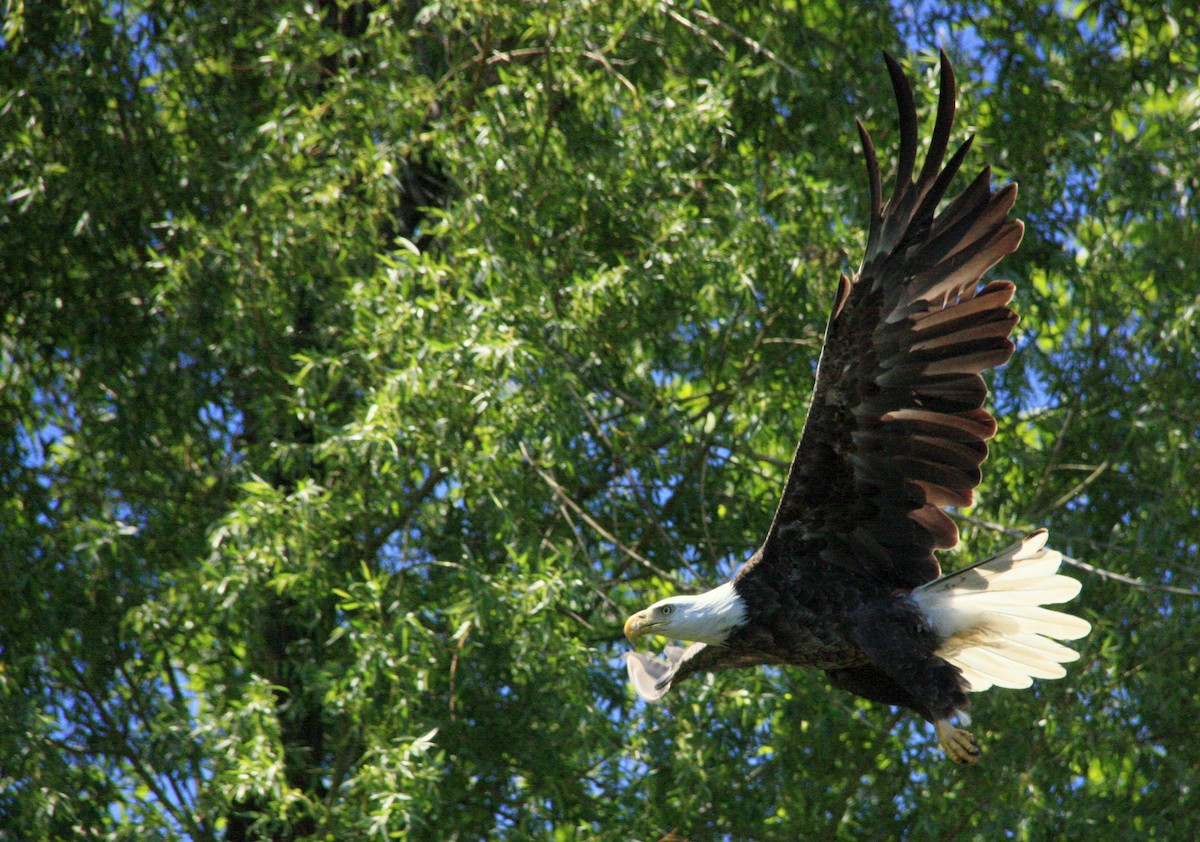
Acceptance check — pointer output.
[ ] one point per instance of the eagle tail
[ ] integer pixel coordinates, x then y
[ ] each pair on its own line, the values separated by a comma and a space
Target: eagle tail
991, 620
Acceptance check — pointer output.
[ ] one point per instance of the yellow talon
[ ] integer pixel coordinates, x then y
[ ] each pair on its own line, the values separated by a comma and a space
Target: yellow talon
959, 745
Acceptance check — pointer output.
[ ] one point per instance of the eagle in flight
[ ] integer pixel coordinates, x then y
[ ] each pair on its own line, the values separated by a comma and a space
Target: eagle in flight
847, 580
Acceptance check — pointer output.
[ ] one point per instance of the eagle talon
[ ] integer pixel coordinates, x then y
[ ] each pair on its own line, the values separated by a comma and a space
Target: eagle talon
959, 745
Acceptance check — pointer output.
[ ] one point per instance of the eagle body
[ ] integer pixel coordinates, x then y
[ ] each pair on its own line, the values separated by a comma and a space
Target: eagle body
793, 625
847, 579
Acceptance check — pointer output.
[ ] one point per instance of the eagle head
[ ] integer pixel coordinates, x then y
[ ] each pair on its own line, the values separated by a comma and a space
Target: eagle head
709, 617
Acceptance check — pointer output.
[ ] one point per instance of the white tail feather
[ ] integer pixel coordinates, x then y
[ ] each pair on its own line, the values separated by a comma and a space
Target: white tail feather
991, 620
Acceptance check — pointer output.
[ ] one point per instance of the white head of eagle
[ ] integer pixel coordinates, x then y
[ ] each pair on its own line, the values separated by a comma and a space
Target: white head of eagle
708, 617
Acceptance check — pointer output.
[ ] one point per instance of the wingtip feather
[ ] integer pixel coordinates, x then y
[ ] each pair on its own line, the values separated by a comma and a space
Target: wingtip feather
646, 673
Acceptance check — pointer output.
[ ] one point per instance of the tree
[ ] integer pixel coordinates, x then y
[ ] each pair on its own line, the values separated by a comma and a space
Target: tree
364, 366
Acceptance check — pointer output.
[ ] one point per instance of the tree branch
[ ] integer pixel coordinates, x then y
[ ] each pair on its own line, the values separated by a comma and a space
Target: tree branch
562, 495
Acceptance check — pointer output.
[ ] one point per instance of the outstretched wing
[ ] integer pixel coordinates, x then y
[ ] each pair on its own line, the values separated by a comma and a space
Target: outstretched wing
897, 429
652, 675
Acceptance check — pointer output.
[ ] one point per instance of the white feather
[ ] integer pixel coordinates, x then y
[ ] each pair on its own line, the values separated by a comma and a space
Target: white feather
991, 620
999, 671
1037, 620
709, 617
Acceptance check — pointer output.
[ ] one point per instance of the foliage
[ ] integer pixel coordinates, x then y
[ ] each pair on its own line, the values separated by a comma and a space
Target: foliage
362, 367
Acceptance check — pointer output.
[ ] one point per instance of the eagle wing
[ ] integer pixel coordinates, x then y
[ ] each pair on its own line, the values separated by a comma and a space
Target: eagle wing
652, 675
897, 429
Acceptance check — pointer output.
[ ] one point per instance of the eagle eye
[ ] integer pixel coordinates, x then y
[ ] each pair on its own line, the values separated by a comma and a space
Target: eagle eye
667, 609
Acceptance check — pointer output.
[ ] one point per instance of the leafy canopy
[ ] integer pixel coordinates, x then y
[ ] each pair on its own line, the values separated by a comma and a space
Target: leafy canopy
362, 366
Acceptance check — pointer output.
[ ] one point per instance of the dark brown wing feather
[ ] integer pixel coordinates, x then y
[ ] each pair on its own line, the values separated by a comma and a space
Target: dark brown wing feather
896, 428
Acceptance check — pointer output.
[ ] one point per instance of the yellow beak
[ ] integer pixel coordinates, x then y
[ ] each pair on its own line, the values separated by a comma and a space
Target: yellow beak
634, 626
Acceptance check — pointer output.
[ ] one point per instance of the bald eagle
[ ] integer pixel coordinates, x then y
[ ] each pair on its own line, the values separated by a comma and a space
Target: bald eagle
847, 580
